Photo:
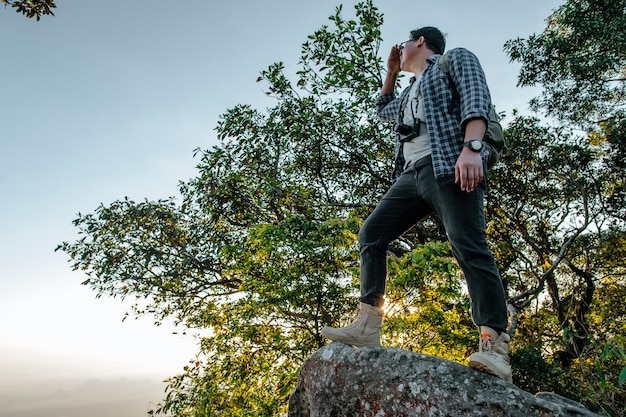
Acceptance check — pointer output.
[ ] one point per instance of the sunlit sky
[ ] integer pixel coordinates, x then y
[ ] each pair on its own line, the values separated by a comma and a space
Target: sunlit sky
109, 98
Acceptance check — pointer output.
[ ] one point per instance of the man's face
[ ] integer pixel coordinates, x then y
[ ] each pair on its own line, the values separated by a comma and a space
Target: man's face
407, 52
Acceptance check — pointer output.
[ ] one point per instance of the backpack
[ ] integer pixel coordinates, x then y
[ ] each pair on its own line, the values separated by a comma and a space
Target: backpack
494, 135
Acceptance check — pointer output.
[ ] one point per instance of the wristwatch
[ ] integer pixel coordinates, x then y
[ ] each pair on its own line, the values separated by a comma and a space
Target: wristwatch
474, 144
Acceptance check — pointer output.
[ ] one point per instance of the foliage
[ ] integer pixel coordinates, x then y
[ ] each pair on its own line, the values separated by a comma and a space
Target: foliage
596, 378
607, 372
559, 245
579, 55
428, 308
536, 373
32, 8
542, 207
558, 210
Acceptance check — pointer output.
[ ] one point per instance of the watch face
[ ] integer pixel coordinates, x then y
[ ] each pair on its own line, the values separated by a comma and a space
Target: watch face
476, 145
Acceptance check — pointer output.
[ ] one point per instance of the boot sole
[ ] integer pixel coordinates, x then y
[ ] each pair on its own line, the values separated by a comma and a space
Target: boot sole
479, 366
347, 340
352, 343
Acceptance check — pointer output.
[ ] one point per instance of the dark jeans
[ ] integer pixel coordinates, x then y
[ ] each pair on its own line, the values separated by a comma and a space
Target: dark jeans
414, 195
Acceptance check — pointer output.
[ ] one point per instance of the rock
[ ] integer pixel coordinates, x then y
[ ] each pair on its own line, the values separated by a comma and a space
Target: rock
339, 380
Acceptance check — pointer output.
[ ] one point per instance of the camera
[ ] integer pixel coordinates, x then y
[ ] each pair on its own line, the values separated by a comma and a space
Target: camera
407, 132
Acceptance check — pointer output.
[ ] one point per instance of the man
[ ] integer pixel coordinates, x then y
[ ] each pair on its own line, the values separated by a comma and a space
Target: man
440, 166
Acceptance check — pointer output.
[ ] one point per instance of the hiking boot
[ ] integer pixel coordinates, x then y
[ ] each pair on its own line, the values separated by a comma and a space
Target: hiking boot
363, 332
493, 356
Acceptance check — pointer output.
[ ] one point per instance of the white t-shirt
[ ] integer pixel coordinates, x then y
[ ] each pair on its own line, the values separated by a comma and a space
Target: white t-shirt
418, 147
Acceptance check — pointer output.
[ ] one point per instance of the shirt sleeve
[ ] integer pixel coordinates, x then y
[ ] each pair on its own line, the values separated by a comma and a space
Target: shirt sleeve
388, 107
471, 84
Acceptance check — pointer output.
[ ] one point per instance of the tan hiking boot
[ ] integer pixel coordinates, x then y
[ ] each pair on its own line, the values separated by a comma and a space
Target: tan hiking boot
363, 332
493, 356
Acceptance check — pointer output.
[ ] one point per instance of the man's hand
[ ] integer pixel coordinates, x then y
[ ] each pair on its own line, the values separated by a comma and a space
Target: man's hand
393, 62
393, 69
468, 171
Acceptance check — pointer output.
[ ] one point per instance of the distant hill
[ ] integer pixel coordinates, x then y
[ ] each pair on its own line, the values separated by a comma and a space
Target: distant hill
93, 398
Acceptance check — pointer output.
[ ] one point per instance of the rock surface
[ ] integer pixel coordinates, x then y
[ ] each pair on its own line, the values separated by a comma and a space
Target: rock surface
339, 380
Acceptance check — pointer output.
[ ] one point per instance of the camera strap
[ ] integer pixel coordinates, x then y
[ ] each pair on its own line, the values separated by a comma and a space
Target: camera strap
412, 101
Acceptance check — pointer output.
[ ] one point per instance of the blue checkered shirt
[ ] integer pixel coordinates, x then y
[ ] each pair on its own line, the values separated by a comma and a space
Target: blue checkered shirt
446, 113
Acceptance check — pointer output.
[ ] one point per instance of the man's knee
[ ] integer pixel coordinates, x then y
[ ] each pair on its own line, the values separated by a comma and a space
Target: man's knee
366, 237
371, 243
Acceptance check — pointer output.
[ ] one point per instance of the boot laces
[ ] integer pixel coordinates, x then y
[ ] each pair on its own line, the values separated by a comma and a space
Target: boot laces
485, 344
492, 346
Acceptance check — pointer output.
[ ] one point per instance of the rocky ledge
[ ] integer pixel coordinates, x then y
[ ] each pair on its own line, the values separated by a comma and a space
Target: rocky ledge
339, 380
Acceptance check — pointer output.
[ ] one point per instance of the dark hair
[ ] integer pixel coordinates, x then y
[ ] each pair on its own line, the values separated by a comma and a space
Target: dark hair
435, 40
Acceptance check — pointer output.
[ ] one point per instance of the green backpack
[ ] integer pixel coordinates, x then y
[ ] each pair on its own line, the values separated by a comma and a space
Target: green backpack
494, 136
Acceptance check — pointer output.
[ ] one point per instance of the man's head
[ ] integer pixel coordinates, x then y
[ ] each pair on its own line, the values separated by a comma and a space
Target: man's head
434, 39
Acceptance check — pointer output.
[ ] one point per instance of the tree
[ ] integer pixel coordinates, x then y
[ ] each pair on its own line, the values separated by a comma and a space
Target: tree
548, 217
562, 198
32, 8
579, 55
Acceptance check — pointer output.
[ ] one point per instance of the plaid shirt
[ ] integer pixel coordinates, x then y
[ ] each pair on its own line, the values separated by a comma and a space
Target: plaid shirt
445, 116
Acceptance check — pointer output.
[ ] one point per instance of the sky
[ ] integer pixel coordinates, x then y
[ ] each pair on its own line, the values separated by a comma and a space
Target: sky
108, 99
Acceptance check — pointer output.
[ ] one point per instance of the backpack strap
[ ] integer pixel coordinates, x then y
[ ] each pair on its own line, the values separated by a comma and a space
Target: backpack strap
444, 63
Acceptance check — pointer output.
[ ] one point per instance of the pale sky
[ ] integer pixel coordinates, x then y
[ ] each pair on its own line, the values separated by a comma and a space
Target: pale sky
108, 99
